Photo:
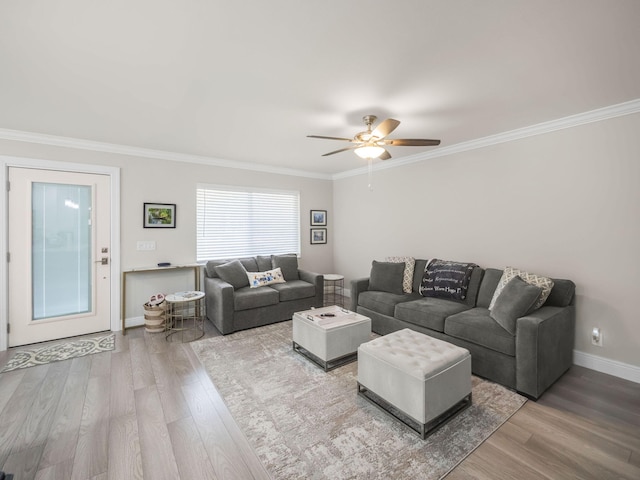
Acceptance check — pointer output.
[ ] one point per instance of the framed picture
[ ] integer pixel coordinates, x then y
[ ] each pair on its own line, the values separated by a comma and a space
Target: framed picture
159, 215
318, 218
318, 235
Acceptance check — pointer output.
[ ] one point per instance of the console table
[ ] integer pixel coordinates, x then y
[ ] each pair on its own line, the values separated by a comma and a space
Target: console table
193, 266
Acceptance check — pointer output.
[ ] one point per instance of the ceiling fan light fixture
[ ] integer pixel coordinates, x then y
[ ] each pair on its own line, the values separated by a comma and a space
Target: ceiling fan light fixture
369, 151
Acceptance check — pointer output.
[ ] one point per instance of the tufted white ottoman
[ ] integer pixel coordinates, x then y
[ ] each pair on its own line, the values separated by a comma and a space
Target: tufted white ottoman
409, 374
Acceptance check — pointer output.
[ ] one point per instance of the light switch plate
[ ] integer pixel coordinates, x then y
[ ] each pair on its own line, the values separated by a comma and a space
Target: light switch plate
146, 245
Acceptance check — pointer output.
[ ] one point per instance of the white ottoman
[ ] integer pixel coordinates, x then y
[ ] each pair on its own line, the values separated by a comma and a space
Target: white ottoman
329, 341
416, 376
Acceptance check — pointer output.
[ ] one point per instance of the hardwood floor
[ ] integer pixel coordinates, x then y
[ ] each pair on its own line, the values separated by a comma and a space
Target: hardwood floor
148, 410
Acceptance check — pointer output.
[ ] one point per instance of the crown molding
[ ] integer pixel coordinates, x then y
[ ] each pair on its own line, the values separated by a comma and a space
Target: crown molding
621, 109
77, 143
613, 111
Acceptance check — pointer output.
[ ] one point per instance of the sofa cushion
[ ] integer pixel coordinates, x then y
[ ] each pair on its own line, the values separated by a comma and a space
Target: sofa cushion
518, 298
409, 266
261, 279
561, 294
264, 263
386, 277
509, 272
477, 326
250, 264
488, 286
288, 264
233, 273
211, 266
383, 302
295, 290
247, 298
428, 312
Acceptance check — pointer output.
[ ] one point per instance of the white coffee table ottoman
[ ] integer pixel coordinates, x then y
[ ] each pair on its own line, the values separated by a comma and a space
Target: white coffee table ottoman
420, 380
330, 336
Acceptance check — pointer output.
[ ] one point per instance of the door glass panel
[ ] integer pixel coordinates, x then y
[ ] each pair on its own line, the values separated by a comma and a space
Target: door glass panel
61, 250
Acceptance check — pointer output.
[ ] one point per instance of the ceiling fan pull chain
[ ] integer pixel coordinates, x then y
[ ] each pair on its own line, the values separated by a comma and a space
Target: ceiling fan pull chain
370, 168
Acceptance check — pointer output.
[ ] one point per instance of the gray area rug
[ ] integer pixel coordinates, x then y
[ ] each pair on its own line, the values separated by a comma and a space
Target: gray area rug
308, 424
60, 351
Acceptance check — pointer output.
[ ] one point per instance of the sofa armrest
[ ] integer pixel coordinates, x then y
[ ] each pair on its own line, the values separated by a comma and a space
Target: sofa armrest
317, 279
220, 305
358, 286
544, 348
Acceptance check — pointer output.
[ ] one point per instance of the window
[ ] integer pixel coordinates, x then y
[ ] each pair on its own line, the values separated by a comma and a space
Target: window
237, 222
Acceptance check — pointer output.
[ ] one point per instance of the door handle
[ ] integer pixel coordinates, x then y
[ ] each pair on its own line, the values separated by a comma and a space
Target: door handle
103, 261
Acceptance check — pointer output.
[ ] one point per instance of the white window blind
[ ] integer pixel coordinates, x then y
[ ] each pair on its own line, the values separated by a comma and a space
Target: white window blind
239, 221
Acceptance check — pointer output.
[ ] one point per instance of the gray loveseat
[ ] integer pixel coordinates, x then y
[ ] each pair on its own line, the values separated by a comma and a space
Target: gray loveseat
232, 304
528, 356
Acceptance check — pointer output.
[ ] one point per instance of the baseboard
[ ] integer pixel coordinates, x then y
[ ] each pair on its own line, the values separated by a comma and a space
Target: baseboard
604, 365
134, 321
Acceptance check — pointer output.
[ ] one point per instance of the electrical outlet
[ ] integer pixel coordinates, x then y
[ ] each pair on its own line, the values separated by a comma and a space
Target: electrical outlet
596, 337
146, 245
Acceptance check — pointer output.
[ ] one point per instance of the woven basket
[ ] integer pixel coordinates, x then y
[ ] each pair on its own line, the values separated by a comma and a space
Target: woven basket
154, 316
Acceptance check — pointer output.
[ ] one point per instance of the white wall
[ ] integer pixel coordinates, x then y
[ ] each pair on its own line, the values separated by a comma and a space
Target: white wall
564, 204
162, 181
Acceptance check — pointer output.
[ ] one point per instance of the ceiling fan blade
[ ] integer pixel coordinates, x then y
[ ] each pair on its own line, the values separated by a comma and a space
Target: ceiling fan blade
330, 138
385, 128
412, 142
385, 155
341, 150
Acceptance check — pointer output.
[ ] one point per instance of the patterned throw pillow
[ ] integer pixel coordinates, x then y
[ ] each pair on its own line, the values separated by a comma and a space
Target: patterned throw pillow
546, 284
260, 279
409, 266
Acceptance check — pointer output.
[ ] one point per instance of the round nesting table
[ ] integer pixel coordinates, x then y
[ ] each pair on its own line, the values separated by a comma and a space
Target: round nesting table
333, 289
184, 320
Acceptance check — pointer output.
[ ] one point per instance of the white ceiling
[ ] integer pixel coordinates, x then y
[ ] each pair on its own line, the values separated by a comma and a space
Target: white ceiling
248, 80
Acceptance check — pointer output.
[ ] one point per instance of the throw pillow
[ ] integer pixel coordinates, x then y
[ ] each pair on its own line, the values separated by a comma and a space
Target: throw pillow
288, 264
260, 279
386, 277
233, 273
409, 266
446, 279
543, 282
518, 299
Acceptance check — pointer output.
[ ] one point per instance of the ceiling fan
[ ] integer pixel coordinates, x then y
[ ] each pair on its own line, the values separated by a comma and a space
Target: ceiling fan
372, 143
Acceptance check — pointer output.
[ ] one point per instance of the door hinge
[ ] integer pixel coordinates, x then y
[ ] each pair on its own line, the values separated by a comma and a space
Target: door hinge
8, 328
8, 186
8, 257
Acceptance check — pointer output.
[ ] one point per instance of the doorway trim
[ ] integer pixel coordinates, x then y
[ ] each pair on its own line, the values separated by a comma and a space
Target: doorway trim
114, 176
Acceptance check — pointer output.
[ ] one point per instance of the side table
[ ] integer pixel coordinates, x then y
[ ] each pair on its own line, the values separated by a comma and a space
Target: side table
185, 316
333, 289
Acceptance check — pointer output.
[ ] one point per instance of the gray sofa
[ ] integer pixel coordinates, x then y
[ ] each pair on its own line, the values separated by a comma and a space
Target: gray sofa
529, 359
232, 304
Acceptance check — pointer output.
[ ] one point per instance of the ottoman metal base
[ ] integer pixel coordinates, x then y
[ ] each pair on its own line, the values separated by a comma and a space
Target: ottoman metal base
325, 364
422, 429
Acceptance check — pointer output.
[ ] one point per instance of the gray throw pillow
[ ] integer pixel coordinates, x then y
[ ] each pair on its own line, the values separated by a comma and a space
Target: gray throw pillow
386, 277
288, 264
517, 299
233, 273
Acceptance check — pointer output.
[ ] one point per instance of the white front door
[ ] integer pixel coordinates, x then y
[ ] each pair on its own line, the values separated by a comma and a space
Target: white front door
59, 254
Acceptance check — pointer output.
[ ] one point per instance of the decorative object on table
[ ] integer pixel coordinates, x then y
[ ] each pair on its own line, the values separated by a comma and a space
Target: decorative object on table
318, 218
159, 215
318, 235
306, 423
60, 351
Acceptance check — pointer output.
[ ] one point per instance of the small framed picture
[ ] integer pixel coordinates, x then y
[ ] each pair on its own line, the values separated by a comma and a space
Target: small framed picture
318, 235
318, 218
159, 215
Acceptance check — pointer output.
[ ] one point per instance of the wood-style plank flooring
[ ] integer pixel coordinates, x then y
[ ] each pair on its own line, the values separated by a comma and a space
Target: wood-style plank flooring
148, 410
